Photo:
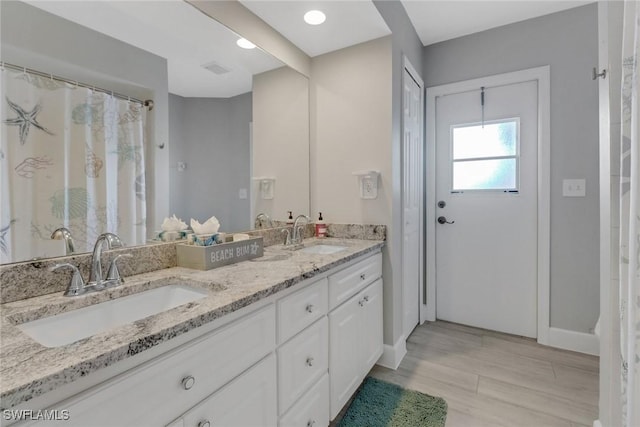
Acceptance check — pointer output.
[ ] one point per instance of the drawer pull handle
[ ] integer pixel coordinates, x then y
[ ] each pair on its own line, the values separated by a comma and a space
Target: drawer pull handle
362, 276
311, 423
309, 361
204, 423
310, 308
188, 382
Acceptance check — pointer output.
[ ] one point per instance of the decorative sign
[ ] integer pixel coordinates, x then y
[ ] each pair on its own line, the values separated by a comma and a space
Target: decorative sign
210, 257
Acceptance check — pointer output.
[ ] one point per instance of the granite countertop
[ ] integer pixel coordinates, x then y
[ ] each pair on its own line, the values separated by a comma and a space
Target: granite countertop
28, 369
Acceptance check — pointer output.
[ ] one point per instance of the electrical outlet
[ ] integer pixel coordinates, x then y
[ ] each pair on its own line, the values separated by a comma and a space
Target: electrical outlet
574, 188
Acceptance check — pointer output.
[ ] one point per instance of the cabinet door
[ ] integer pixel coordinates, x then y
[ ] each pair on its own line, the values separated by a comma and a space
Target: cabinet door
301, 362
345, 352
248, 401
372, 326
312, 410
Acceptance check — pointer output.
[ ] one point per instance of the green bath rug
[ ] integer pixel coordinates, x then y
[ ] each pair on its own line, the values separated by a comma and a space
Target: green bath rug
381, 404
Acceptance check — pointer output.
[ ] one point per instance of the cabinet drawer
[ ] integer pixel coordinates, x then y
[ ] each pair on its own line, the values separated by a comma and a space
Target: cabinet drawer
249, 400
160, 386
312, 409
301, 362
299, 310
348, 282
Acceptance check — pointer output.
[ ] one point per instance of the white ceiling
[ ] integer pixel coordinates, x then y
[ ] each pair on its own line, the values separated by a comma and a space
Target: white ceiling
348, 22
177, 31
188, 39
439, 20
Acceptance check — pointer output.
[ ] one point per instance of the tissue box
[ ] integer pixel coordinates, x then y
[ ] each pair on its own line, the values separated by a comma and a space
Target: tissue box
210, 257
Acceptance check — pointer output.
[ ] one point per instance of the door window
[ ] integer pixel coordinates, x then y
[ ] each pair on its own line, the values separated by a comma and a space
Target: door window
486, 157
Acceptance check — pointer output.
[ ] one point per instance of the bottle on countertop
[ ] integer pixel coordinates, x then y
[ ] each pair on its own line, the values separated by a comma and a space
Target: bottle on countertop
290, 219
321, 227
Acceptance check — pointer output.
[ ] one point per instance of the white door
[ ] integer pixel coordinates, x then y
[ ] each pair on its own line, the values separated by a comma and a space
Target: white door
412, 199
486, 190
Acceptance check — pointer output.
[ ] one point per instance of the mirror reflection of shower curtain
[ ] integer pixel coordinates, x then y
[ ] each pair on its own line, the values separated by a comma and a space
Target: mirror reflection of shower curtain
70, 157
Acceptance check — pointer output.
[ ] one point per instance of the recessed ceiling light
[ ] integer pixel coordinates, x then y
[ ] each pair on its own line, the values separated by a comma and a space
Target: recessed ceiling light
314, 17
245, 44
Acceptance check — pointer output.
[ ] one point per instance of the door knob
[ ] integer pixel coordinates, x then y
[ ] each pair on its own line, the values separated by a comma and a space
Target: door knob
443, 220
442, 204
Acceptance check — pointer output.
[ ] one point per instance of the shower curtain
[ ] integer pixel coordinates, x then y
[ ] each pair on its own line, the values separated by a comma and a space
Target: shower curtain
630, 218
70, 157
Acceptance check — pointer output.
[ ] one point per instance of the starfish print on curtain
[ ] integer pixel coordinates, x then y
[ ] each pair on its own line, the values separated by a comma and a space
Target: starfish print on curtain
25, 120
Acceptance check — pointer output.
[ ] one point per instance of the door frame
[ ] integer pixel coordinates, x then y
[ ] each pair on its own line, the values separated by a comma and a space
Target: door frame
406, 66
542, 76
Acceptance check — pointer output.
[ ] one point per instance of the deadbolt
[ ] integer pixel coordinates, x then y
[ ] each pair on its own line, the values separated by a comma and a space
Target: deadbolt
442, 204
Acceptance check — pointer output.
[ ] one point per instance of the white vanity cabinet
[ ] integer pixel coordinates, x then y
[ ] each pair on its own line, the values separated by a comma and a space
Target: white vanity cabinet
293, 360
355, 330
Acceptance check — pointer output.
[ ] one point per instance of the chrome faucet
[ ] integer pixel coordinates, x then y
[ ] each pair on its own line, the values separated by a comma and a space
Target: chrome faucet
263, 218
63, 233
298, 230
77, 286
112, 241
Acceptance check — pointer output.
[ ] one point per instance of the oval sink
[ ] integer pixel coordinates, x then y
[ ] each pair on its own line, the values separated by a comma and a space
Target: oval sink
66, 328
323, 249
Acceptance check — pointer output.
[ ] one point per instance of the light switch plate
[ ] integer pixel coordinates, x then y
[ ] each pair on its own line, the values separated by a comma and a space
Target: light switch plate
574, 188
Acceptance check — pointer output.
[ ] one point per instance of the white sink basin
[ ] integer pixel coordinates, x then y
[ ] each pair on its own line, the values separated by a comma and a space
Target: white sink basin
323, 249
65, 328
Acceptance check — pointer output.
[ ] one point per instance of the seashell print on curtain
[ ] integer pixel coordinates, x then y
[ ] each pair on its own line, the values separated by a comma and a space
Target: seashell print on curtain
69, 157
630, 218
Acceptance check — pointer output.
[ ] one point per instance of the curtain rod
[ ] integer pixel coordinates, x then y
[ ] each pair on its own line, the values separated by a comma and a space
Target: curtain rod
147, 103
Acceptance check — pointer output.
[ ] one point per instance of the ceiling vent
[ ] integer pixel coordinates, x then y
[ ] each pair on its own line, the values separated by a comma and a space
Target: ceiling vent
216, 68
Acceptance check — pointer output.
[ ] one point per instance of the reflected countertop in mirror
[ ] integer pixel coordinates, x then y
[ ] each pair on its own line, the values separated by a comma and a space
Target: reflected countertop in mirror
223, 119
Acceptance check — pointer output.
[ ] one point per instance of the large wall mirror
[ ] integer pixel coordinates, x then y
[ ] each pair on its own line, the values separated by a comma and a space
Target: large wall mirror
228, 135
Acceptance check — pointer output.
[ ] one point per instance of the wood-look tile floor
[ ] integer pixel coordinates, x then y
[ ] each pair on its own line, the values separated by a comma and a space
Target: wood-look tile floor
493, 379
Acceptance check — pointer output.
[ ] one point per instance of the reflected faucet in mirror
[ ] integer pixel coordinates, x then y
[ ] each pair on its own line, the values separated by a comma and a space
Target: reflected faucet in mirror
63, 233
263, 221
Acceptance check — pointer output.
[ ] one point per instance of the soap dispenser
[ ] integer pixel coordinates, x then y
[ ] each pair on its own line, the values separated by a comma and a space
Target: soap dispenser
321, 228
290, 219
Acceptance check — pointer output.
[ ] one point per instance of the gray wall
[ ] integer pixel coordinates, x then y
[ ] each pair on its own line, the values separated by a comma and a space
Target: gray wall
36, 39
568, 42
212, 136
404, 42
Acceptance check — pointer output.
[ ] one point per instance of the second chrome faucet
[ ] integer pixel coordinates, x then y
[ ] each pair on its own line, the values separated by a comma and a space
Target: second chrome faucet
295, 236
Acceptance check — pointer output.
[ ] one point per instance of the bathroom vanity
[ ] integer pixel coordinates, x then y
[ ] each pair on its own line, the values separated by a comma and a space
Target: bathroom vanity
281, 340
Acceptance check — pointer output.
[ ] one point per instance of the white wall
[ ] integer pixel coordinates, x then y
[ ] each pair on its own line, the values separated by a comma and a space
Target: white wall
211, 136
36, 39
281, 141
404, 43
568, 42
351, 131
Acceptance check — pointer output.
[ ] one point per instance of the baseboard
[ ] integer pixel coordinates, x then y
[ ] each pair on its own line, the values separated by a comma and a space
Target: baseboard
393, 355
597, 423
574, 341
